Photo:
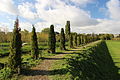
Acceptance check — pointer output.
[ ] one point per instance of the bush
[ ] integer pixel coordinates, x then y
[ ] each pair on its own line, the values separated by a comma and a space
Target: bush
5, 73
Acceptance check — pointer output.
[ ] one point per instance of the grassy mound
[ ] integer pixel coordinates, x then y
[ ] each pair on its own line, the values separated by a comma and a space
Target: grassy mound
114, 49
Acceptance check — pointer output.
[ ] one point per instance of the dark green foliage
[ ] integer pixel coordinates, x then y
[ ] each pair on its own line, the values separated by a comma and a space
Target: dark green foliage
109, 36
106, 36
79, 40
75, 39
86, 39
95, 63
1, 65
82, 39
67, 28
52, 40
34, 44
71, 41
62, 39
14, 61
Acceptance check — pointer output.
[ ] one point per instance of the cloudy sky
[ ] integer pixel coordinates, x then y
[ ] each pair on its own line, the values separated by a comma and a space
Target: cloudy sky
86, 16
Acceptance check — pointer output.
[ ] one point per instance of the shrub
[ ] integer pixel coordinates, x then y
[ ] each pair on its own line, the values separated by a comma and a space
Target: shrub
5, 73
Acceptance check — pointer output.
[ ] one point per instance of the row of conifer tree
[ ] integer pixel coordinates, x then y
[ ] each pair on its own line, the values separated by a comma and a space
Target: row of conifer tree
14, 61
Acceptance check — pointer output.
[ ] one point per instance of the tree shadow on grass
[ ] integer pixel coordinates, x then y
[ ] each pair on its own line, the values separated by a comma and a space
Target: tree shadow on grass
53, 58
44, 72
116, 62
66, 53
74, 50
62, 53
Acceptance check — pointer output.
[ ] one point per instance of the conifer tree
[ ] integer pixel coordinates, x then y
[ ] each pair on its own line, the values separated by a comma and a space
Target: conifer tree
52, 39
79, 40
75, 40
84, 37
14, 60
67, 28
82, 41
34, 44
62, 39
71, 41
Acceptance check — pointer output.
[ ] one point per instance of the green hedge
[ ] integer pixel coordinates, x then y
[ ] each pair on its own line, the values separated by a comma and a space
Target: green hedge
95, 63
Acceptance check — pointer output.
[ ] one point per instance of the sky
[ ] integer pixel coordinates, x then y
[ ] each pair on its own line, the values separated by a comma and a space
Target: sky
85, 16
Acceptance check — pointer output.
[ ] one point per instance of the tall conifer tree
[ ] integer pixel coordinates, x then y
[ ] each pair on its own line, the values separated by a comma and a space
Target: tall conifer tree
67, 30
71, 41
14, 60
75, 40
62, 39
79, 40
52, 39
34, 44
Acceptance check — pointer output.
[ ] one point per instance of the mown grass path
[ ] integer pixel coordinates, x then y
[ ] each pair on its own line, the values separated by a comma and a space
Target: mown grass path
114, 49
53, 67
42, 71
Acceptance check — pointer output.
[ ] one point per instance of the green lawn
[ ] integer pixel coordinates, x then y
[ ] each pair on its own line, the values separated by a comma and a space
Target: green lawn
114, 49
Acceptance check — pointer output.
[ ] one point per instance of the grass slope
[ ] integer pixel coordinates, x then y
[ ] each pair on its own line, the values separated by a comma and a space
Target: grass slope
114, 49
94, 63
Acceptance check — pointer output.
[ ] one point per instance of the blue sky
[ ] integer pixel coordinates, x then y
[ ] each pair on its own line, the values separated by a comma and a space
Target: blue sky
86, 16
95, 7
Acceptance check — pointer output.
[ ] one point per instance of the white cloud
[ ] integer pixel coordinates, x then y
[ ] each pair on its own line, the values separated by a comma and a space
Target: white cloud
8, 7
57, 12
41, 25
104, 26
114, 9
4, 27
25, 25
25, 10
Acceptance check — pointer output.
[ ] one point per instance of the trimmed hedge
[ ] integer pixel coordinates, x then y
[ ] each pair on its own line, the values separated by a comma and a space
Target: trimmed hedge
95, 63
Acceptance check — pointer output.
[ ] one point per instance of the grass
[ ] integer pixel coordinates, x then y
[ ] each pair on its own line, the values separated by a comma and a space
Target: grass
4, 60
114, 49
59, 71
26, 51
4, 47
59, 67
4, 44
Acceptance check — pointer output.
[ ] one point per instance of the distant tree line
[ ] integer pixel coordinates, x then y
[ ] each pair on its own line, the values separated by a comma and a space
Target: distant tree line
43, 36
